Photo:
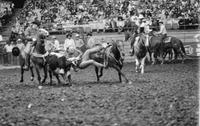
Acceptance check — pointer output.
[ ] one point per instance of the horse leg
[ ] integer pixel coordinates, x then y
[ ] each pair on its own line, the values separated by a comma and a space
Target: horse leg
120, 73
101, 72
38, 73
153, 58
137, 63
150, 56
22, 74
32, 74
50, 77
175, 54
183, 58
142, 65
97, 73
162, 56
45, 74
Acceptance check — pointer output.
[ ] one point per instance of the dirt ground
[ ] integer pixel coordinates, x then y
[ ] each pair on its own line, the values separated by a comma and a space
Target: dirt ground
166, 95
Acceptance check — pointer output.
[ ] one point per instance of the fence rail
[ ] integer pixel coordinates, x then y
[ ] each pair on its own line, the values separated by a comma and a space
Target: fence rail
184, 35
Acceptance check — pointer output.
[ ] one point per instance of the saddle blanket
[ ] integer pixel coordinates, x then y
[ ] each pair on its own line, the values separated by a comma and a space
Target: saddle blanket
167, 39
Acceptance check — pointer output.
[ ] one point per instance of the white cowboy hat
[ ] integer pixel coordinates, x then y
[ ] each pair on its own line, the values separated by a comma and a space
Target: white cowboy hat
77, 35
34, 39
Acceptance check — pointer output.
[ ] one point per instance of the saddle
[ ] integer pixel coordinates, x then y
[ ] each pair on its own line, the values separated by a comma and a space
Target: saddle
167, 39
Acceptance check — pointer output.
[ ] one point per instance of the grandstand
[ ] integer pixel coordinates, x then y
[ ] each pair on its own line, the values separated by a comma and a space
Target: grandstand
83, 16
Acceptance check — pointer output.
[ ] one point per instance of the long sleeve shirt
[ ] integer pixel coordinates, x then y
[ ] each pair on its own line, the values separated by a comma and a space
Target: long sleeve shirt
69, 43
162, 30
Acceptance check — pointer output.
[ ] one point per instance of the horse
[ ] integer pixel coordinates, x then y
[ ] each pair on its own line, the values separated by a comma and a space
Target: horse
159, 47
139, 50
23, 56
113, 59
38, 57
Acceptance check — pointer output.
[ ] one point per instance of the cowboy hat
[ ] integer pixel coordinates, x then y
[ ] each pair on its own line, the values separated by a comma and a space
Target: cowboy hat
160, 21
15, 51
53, 37
77, 35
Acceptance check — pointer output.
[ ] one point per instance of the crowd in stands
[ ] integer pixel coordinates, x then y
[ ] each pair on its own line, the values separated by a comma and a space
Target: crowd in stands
110, 14
6, 10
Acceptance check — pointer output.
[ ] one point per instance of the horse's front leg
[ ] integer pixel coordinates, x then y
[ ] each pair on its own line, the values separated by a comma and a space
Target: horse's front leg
121, 74
32, 74
150, 56
142, 65
38, 73
137, 63
22, 74
153, 58
45, 74
97, 73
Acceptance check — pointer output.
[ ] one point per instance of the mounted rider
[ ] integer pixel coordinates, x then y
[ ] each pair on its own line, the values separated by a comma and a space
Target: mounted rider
33, 33
162, 31
140, 33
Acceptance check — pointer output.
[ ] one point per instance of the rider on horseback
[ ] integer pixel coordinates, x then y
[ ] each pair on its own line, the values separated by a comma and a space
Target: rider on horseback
138, 34
162, 31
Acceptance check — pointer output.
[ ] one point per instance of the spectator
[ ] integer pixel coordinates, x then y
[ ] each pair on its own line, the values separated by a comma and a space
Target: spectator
79, 42
56, 43
69, 42
8, 52
1, 37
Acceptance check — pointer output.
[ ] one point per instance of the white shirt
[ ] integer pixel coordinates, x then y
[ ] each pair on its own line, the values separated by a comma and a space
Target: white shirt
57, 44
8, 48
162, 30
69, 43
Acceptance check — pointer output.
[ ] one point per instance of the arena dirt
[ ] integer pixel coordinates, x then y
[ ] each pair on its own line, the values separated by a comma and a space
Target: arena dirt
166, 95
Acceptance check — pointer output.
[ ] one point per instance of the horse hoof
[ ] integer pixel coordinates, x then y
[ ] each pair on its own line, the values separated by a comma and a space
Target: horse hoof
21, 81
32, 78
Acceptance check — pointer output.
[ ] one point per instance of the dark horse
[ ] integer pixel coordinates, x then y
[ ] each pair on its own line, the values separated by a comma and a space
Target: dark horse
159, 47
38, 57
113, 58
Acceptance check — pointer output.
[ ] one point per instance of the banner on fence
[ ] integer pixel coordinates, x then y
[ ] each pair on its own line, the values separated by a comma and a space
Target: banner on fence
108, 38
192, 49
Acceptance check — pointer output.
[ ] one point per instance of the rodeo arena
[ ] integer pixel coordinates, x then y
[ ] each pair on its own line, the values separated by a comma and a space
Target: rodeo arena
99, 62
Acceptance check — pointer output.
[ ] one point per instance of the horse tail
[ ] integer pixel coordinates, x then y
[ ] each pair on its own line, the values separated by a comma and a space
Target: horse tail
182, 47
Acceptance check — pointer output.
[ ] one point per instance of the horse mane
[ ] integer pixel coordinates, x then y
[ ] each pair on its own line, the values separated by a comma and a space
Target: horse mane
115, 51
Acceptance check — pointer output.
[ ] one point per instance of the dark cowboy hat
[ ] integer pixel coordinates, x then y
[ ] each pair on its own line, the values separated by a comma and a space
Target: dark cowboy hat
89, 34
69, 34
160, 21
15, 51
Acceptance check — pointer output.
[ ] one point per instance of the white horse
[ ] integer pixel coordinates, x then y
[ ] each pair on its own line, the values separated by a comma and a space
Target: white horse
139, 50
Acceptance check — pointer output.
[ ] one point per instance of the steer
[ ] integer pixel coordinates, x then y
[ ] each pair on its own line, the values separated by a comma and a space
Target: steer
55, 63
